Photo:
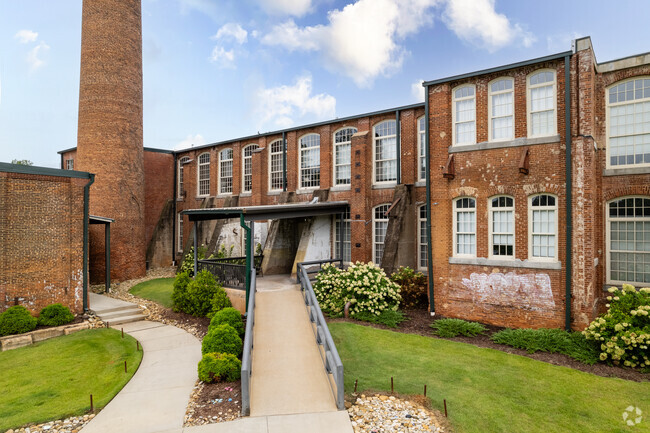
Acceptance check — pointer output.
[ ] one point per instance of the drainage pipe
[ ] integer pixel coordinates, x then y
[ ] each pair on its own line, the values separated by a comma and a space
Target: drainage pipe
427, 154
569, 191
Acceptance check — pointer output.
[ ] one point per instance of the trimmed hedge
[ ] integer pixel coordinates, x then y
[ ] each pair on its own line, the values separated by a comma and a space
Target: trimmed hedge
55, 315
230, 316
219, 367
223, 339
16, 320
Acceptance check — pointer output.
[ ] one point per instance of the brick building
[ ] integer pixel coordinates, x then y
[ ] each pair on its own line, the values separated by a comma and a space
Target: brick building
536, 177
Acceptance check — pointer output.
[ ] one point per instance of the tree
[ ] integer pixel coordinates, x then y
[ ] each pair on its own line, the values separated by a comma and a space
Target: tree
22, 162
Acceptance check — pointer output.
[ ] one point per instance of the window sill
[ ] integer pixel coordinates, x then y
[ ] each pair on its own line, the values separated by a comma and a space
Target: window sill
517, 263
626, 171
517, 142
340, 188
306, 190
421, 183
384, 186
224, 195
246, 194
274, 192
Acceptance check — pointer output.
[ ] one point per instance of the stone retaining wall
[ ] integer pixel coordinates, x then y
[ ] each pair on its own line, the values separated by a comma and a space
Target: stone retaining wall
21, 340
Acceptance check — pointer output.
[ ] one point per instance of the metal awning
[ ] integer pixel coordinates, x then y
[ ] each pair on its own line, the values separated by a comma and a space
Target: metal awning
268, 212
94, 219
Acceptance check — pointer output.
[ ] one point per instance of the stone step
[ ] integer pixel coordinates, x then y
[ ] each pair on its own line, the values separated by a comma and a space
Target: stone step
125, 307
123, 312
125, 319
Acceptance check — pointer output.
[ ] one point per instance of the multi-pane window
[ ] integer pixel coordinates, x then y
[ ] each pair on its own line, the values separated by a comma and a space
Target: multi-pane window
181, 164
179, 247
385, 151
379, 226
422, 151
347, 245
275, 166
464, 115
204, 174
501, 97
465, 226
541, 105
225, 171
342, 156
422, 237
69, 164
543, 232
247, 162
502, 227
629, 240
310, 161
628, 115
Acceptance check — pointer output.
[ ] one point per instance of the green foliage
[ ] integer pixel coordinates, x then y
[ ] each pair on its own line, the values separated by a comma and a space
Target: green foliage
258, 249
413, 287
623, 333
219, 302
449, 328
188, 261
365, 286
200, 293
219, 367
572, 344
55, 315
223, 252
180, 299
388, 318
158, 290
223, 339
16, 320
22, 162
230, 316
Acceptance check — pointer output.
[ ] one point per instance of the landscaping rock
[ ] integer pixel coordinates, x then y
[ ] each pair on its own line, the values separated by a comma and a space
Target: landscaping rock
381, 413
76, 328
44, 334
9, 343
69, 425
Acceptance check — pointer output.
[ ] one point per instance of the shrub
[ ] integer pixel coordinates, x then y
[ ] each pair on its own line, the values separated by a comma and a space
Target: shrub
624, 331
413, 287
219, 367
219, 302
388, 318
449, 328
572, 344
16, 320
230, 316
180, 298
55, 315
187, 265
365, 286
200, 293
223, 339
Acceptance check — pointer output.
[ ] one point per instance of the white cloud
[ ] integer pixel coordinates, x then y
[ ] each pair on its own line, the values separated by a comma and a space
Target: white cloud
232, 31
476, 21
222, 57
295, 8
278, 107
190, 141
206, 7
34, 55
417, 91
26, 36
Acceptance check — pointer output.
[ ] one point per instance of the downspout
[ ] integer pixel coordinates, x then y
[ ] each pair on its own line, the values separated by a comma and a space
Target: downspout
284, 161
85, 246
569, 192
398, 146
62, 164
427, 154
174, 216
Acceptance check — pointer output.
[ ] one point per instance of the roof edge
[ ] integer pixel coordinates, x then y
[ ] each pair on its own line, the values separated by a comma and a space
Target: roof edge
42, 171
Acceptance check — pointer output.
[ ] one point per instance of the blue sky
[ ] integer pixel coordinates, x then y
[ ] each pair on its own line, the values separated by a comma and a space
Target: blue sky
218, 69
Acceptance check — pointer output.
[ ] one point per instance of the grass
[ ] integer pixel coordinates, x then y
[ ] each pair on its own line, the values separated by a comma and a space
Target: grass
488, 390
53, 379
158, 290
450, 328
388, 318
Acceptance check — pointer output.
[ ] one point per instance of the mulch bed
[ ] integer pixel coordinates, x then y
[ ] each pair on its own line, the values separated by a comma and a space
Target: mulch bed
418, 321
200, 323
215, 402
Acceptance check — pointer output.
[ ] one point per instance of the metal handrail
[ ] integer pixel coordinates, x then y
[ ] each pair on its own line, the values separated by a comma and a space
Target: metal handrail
313, 270
330, 356
247, 355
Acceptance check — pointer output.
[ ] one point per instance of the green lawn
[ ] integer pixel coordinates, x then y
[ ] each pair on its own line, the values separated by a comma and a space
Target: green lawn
158, 290
488, 390
54, 379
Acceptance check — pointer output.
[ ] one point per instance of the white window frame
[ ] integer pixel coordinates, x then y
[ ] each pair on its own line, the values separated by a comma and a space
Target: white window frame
491, 95
69, 164
250, 149
347, 236
375, 140
608, 245
271, 172
199, 165
223, 187
375, 222
303, 184
181, 176
423, 245
422, 152
455, 232
530, 227
335, 163
491, 233
454, 121
633, 102
529, 101
179, 238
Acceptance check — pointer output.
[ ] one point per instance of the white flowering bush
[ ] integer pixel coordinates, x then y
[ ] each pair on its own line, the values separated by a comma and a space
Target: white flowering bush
624, 331
365, 286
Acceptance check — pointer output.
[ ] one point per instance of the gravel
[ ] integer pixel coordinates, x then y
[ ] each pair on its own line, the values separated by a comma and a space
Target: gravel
383, 413
68, 425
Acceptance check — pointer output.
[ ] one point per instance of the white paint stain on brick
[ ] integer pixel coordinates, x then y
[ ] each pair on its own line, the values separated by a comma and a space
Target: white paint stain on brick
531, 291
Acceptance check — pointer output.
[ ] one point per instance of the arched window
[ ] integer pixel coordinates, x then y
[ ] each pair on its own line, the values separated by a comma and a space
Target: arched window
628, 240
204, 175
501, 109
422, 150
628, 123
379, 227
309, 161
465, 227
342, 156
276, 181
422, 237
181, 163
541, 103
502, 227
225, 171
385, 152
247, 167
464, 115
542, 219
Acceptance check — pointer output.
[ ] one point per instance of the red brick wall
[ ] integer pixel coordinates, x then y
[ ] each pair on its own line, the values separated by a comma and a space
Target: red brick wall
158, 188
41, 241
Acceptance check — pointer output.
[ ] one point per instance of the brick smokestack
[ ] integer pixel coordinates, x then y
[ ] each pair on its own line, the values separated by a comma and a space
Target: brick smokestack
109, 139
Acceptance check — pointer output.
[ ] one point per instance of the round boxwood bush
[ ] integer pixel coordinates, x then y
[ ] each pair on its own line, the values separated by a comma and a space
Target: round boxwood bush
200, 293
180, 298
55, 315
16, 320
222, 339
219, 301
219, 367
230, 316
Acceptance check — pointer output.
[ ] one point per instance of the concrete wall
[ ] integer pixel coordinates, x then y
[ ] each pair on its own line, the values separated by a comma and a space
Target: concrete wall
315, 241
